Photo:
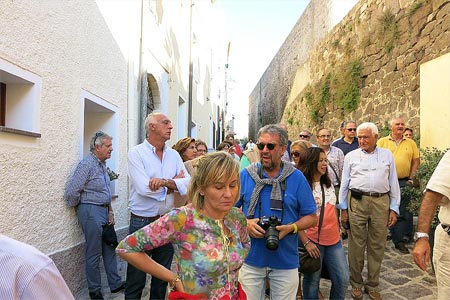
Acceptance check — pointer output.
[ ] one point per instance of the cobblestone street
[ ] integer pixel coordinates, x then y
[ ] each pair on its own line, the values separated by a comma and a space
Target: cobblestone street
400, 279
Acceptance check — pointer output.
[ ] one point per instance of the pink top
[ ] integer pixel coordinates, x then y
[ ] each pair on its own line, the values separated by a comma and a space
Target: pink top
329, 234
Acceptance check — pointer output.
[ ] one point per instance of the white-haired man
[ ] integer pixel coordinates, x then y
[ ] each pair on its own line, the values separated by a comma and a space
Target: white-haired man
369, 199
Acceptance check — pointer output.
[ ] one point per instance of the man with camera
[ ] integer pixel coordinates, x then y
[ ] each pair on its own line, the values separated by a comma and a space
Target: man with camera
278, 202
369, 199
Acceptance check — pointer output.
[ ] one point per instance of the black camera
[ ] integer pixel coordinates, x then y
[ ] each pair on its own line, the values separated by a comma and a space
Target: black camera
269, 224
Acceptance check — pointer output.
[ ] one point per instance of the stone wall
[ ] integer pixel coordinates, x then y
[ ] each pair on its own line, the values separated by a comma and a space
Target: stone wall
389, 40
268, 99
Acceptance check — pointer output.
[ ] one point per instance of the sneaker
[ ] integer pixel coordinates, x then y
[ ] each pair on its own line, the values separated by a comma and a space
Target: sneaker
357, 293
121, 287
373, 294
402, 248
96, 295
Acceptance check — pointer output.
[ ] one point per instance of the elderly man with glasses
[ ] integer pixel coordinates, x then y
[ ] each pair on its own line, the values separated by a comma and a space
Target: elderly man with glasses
274, 193
369, 198
348, 142
89, 190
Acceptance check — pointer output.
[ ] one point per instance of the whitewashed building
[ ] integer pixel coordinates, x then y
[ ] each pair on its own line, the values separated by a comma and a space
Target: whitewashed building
71, 68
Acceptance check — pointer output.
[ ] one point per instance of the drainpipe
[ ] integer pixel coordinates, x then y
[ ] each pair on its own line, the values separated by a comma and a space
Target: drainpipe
142, 98
190, 73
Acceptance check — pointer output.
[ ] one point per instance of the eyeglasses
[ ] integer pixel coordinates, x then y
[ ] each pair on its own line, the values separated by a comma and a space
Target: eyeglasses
270, 146
295, 154
304, 136
351, 129
324, 136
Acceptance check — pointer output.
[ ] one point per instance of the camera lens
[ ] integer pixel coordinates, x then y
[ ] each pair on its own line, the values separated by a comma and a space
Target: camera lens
272, 238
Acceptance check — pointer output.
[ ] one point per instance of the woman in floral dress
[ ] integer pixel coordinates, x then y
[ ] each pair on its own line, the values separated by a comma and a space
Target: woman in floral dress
209, 235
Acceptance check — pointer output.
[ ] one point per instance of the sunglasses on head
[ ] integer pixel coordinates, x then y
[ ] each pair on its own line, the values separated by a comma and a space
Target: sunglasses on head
97, 135
296, 154
270, 146
351, 129
304, 136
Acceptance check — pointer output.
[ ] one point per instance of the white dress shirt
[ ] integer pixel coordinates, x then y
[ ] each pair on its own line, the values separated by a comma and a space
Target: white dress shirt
144, 164
370, 172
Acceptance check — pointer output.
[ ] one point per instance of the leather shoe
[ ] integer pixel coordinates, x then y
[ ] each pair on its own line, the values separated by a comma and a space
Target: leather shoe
96, 295
402, 248
121, 287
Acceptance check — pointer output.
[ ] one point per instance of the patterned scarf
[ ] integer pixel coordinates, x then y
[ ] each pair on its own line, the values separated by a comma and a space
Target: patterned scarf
276, 200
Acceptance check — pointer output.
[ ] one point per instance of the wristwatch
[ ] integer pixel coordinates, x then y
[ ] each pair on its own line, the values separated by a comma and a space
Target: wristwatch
419, 235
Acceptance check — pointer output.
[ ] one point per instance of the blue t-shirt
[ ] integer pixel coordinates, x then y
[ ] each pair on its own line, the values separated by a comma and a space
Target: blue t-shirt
297, 201
346, 147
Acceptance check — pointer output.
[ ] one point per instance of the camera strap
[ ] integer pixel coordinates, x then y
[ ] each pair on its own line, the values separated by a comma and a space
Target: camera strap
280, 204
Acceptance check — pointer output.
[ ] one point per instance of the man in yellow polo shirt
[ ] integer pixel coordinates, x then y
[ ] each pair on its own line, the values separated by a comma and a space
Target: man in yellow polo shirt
406, 157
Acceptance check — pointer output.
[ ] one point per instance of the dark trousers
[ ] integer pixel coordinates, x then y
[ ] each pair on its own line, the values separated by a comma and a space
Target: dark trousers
402, 230
136, 278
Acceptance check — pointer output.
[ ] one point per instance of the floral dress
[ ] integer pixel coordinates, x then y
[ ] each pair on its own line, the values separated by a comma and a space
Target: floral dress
207, 260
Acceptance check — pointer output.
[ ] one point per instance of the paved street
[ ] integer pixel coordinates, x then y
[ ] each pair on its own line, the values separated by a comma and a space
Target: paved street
400, 278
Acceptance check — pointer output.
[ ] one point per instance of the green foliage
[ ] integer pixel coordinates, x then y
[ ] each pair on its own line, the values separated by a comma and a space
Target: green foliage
290, 120
415, 7
430, 158
348, 86
385, 131
388, 32
325, 96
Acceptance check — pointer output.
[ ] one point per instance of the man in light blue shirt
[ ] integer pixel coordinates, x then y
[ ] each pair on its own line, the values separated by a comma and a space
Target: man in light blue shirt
369, 199
88, 189
156, 172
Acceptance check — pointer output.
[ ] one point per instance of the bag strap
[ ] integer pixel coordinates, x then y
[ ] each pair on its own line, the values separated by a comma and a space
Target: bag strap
335, 173
321, 213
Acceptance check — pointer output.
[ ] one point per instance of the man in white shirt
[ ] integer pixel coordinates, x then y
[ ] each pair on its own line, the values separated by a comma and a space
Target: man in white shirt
26, 273
437, 193
369, 200
156, 172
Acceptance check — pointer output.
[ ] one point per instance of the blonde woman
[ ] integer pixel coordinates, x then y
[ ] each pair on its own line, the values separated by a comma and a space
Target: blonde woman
209, 236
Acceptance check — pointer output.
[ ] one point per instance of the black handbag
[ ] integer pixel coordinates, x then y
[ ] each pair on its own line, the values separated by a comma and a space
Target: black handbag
309, 264
109, 235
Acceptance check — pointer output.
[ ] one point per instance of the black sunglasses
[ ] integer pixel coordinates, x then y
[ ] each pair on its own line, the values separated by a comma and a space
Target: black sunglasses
351, 129
303, 136
295, 154
97, 135
270, 146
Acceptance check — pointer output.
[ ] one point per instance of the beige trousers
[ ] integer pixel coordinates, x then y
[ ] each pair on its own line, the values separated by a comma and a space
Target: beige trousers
441, 261
368, 219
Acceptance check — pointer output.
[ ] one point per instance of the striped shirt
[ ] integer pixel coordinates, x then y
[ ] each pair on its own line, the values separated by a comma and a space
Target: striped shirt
89, 183
26, 273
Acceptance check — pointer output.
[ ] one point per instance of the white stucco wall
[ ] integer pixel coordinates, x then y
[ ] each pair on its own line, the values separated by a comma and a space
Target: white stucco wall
69, 46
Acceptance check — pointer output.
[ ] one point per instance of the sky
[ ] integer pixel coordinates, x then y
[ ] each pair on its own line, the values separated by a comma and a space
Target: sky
256, 29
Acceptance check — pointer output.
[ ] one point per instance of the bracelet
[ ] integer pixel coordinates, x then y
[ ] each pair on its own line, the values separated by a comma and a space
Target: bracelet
295, 228
166, 181
174, 281
307, 242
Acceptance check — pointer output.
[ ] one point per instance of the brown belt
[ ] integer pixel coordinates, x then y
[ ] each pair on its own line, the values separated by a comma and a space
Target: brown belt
146, 219
372, 194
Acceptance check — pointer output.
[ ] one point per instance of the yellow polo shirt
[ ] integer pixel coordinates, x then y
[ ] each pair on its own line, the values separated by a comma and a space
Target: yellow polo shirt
403, 153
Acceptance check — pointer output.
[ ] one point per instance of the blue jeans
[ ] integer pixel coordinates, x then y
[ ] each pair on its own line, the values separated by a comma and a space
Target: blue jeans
283, 283
334, 259
136, 278
92, 218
